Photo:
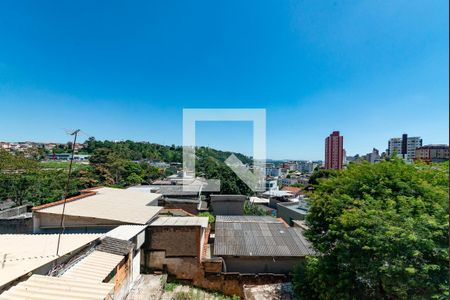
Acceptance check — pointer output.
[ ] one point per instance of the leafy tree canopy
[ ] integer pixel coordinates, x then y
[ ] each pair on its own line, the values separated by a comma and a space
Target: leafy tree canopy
381, 233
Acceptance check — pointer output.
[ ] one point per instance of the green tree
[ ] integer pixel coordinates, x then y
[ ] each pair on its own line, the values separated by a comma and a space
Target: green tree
381, 233
18, 177
251, 209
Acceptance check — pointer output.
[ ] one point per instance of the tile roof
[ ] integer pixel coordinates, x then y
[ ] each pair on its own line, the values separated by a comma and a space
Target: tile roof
23, 253
253, 238
291, 189
49, 288
127, 206
94, 267
181, 221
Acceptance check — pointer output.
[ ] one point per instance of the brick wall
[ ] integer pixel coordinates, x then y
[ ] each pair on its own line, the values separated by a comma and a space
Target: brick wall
176, 241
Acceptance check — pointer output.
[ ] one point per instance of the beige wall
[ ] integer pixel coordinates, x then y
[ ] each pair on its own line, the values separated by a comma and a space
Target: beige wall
42, 221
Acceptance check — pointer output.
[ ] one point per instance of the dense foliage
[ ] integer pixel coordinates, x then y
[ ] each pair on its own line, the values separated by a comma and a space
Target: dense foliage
26, 180
137, 151
380, 231
119, 164
125, 163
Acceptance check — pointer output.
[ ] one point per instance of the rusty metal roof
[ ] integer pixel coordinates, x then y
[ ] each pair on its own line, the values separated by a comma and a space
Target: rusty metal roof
49, 288
249, 237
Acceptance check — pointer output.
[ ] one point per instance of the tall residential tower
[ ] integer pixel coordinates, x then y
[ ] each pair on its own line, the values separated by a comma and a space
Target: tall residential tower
334, 151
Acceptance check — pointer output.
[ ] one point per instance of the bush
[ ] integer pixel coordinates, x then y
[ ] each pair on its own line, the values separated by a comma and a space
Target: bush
211, 218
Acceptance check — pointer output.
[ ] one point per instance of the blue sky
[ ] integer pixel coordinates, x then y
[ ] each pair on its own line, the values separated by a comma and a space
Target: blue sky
371, 69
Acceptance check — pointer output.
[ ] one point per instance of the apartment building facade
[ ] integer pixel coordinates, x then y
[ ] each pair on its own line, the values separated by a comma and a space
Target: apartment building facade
404, 146
334, 151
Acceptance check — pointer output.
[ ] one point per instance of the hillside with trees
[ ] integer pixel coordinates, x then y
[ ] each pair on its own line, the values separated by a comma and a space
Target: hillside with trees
118, 164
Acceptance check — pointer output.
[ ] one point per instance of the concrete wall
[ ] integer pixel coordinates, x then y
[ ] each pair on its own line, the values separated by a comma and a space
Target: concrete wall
183, 268
16, 220
24, 225
233, 283
48, 223
226, 205
285, 212
176, 241
15, 211
245, 264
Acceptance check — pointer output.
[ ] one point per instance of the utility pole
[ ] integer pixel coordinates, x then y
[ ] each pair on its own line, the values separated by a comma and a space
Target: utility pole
66, 190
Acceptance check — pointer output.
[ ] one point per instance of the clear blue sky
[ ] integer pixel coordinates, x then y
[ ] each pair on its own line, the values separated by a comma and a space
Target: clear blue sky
125, 70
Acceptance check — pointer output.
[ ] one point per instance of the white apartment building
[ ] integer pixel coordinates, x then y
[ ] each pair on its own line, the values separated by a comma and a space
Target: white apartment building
404, 146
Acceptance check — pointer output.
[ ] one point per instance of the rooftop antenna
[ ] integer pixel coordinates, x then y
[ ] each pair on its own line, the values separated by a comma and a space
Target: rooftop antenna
66, 190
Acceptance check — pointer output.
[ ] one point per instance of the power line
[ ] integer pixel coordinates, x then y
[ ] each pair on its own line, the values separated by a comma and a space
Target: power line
66, 190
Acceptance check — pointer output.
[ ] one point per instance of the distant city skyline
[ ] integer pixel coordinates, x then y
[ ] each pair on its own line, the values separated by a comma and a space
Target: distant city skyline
371, 71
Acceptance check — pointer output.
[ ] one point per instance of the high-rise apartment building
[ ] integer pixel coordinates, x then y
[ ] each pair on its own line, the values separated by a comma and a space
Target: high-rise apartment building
404, 146
334, 151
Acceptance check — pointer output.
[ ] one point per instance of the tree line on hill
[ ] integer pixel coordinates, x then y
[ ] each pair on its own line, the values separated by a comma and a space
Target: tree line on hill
118, 164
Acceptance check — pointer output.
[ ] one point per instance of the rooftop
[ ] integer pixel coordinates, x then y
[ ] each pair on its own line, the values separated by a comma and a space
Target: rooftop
276, 193
94, 267
257, 236
23, 253
228, 198
181, 221
123, 205
126, 232
300, 206
47, 287
291, 189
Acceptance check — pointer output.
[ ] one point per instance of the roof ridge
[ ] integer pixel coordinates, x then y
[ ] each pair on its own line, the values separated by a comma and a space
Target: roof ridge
84, 193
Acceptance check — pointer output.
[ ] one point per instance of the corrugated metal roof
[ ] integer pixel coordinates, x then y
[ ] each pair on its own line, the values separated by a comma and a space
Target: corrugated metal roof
247, 219
23, 253
94, 267
48, 288
126, 232
124, 205
181, 221
259, 239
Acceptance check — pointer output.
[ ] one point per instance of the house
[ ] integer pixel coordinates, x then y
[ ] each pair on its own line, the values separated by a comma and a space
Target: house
136, 235
291, 211
228, 204
271, 185
87, 266
296, 191
22, 254
277, 196
176, 244
177, 196
97, 210
253, 244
